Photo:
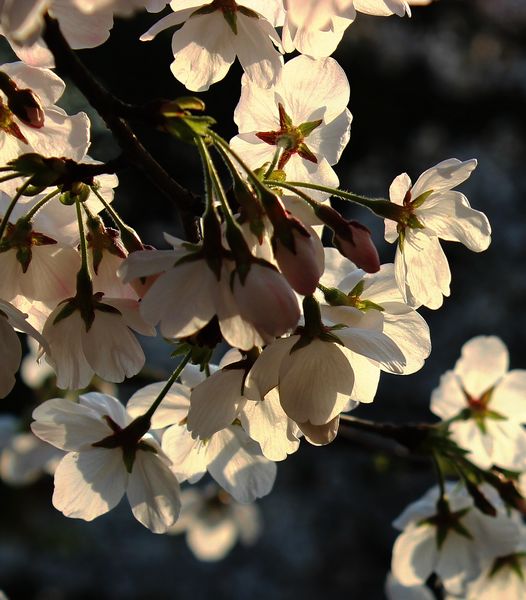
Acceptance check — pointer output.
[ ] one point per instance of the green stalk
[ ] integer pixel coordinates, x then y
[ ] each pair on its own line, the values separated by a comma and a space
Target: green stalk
12, 205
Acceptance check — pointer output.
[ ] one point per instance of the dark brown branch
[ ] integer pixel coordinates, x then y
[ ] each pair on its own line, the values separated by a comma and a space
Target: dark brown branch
111, 110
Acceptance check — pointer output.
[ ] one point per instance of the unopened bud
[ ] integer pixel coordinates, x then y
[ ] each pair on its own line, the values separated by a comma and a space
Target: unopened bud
301, 260
266, 300
25, 105
356, 245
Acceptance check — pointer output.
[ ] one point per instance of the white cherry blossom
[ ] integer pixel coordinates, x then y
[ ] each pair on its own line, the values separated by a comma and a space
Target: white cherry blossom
488, 403
316, 27
229, 455
458, 558
92, 478
431, 210
12, 319
107, 347
305, 113
213, 522
60, 135
215, 32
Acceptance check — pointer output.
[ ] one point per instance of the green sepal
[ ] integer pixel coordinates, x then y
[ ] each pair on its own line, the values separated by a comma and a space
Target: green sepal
307, 128
230, 17
417, 202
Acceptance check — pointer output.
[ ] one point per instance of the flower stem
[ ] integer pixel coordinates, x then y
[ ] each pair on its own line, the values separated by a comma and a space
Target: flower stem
380, 207
12, 205
84, 267
275, 160
440, 477
173, 377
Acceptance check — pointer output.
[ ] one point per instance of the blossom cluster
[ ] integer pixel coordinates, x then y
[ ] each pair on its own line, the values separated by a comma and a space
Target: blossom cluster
309, 328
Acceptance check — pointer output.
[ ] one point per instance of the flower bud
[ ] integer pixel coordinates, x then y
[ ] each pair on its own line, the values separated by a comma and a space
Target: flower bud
356, 245
266, 300
25, 104
302, 264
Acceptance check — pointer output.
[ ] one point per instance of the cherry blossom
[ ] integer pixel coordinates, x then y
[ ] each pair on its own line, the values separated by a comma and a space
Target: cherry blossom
215, 32
104, 346
304, 114
99, 467
12, 319
429, 211
452, 543
229, 455
213, 522
486, 404
59, 135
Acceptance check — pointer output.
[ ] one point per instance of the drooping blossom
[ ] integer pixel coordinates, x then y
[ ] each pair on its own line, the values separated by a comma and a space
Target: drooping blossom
99, 469
431, 210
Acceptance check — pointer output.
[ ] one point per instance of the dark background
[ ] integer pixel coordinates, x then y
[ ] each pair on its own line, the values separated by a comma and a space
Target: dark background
450, 82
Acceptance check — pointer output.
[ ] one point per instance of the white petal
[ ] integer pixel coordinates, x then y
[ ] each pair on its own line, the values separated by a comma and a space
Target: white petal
414, 555
173, 408
315, 382
216, 402
89, 483
236, 463
188, 456
153, 492
484, 360
509, 396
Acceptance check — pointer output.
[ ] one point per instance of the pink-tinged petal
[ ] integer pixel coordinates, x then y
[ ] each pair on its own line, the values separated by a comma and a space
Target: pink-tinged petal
236, 463
49, 85
414, 555
266, 300
266, 423
203, 51
153, 492
215, 403
188, 456
173, 408
69, 425
111, 350
449, 216
236, 330
90, 483
448, 399
483, 362
181, 299
315, 382
320, 435
509, 396
304, 266
264, 375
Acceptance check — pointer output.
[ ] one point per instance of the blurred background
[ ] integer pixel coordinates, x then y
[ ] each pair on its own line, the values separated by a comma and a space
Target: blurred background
449, 82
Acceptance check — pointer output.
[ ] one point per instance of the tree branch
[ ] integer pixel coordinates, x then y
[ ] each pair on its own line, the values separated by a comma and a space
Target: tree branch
111, 110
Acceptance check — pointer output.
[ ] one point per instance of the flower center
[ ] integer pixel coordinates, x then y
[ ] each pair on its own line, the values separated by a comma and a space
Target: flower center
290, 137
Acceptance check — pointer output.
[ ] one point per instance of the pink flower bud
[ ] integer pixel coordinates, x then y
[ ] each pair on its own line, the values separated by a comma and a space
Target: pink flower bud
358, 247
303, 267
266, 300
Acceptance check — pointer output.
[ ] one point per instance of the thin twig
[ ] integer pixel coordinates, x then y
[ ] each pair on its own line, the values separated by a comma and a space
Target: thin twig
111, 110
